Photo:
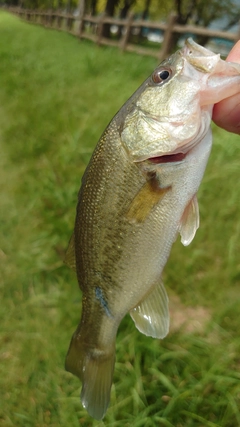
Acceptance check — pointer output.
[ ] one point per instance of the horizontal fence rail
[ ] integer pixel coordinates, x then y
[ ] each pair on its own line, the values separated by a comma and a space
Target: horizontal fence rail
92, 28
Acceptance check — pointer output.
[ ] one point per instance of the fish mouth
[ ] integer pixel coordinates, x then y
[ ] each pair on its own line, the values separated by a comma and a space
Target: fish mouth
201, 58
180, 153
168, 158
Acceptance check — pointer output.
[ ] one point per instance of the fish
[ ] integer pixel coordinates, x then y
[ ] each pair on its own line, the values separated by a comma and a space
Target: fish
139, 191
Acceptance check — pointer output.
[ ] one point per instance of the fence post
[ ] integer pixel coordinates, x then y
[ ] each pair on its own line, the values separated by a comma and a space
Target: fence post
70, 22
126, 34
100, 29
59, 15
167, 40
43, 17
59, 19
51, 18
81, 17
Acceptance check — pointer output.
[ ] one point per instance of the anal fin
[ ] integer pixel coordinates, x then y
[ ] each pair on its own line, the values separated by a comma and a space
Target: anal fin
151, 316
189, 222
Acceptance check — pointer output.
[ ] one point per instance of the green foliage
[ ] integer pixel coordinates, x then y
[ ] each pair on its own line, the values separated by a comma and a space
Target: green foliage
57, 95
203, 12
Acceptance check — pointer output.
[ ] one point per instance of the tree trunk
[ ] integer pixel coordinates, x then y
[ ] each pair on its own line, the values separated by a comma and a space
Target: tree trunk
182, 18
145, 15
146, 9
109, 11
123, 14
93, 7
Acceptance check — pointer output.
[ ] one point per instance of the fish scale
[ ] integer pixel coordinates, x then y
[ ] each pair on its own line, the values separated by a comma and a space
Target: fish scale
138, 192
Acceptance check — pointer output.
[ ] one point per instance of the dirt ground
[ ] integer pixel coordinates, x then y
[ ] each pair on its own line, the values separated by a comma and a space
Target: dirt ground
189, 319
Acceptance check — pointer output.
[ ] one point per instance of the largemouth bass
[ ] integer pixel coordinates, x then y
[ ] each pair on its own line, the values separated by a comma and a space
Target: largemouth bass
138, 192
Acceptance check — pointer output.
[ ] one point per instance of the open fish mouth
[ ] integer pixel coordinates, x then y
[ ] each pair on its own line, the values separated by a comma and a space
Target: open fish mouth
168, 158
180, 153
166, 150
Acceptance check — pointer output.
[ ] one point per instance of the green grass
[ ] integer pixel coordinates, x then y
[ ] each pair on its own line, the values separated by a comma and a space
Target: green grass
56, 97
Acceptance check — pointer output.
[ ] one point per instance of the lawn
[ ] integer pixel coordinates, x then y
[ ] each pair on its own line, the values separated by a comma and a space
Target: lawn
56, 97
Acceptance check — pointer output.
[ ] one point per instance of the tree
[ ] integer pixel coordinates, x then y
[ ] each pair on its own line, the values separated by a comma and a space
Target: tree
203, 12
109, 11
146, 9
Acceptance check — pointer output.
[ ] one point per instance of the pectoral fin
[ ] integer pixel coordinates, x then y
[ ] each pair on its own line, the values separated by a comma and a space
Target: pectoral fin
145, 200
70, 258
189, 222
151, 316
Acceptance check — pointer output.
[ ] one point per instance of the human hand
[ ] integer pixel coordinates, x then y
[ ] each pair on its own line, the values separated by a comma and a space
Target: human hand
226, 113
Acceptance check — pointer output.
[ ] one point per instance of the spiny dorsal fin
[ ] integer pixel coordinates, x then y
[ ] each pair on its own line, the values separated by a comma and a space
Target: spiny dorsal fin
70, 258
151, 316
189, 222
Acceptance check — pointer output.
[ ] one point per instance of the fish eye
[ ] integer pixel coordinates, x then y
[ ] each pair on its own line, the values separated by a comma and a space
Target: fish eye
161, 76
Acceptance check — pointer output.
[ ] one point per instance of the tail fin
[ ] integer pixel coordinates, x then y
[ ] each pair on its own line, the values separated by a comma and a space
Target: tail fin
95, 369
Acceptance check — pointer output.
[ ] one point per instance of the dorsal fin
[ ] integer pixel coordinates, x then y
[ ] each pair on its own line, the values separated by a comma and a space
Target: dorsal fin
189, 222
70, 258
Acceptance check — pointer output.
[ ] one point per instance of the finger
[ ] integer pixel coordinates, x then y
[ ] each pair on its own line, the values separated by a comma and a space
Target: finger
226, 113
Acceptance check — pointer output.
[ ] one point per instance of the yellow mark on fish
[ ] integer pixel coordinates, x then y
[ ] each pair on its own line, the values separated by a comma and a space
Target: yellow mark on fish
145, 200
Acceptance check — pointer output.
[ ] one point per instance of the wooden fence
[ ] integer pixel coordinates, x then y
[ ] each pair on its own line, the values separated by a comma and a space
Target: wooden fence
91, 27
